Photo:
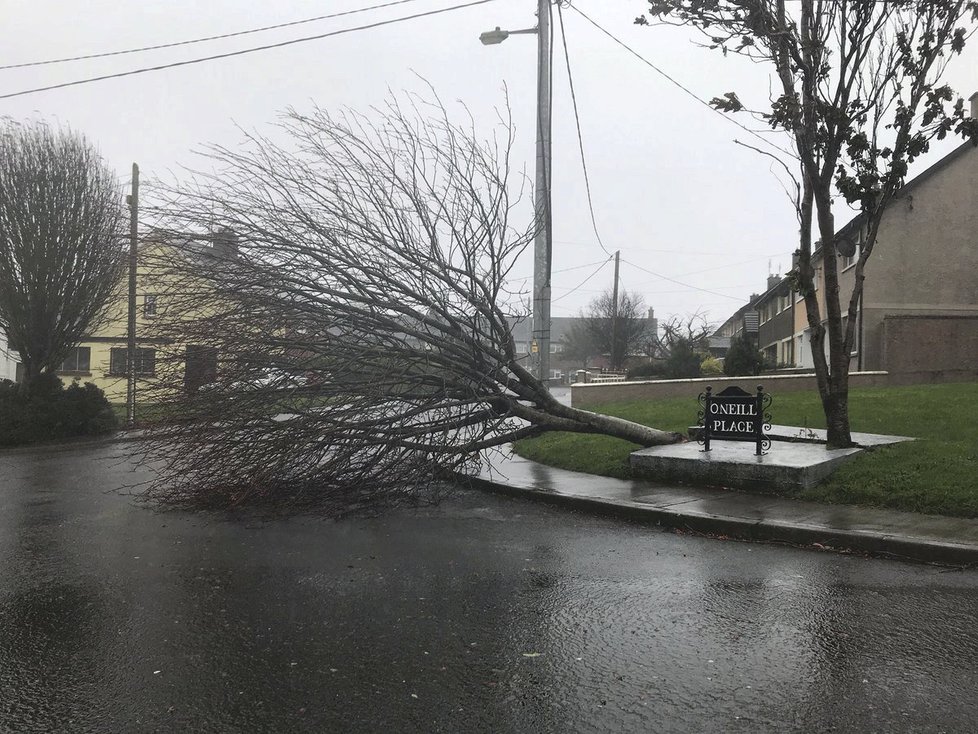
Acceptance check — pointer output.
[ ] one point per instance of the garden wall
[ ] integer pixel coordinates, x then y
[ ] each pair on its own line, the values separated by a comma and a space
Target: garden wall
585, 395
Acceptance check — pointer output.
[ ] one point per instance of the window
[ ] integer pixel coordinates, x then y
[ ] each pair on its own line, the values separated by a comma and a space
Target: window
78, 360
149, 305
145, 363
788, 352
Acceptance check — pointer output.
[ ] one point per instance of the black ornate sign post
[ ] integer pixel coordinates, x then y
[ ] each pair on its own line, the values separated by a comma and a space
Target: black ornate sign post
735, 415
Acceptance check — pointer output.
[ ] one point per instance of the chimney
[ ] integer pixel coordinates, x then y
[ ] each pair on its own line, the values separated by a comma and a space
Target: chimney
224, 243
773, 280
974, 105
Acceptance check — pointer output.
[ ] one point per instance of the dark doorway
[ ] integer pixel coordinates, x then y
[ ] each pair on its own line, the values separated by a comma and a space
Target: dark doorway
201, 367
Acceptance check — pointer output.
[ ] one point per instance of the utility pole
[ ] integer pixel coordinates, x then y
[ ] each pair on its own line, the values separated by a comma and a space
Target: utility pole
614, 314
542, 248
133, 199
542, 242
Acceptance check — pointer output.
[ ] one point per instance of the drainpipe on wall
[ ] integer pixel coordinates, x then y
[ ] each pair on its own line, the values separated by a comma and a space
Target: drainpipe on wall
794, 304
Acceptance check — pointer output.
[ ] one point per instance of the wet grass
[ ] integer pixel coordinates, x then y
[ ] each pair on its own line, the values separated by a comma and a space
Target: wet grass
937, 474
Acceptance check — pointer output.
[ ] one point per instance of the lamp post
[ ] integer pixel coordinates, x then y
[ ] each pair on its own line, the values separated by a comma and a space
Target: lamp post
542, 248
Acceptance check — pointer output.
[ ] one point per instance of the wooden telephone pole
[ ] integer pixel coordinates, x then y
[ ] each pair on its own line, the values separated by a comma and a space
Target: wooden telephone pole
133, 200
614, 315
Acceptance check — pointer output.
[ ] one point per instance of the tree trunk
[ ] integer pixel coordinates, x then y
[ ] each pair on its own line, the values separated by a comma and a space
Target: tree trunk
31, 370
836, 407
559, 417
620, 428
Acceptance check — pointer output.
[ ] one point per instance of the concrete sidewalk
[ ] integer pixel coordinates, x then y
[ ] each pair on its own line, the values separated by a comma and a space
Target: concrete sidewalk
907, 535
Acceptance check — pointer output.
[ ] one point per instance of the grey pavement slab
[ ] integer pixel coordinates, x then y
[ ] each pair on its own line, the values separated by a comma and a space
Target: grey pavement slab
741, 514
796, 433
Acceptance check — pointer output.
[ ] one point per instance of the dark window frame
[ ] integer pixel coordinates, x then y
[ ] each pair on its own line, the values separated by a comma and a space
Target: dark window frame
145, 362
72, 364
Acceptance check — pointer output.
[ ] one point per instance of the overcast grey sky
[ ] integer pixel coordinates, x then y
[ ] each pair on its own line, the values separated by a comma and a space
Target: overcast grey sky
671, 190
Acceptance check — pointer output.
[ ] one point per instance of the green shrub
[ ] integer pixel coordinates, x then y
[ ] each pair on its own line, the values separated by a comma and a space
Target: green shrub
743, 358
51, 412
644, 371
711, 367
683, 361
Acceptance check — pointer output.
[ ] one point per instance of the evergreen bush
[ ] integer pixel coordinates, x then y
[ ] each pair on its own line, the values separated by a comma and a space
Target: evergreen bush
683, 361
743, 358
644, 371
49, 411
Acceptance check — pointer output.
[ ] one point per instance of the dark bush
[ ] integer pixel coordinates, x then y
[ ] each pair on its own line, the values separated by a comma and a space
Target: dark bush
683, 361
743, 358
644, 371
51, 412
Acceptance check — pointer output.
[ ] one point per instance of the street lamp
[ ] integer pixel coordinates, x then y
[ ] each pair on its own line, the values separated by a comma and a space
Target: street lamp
542, 250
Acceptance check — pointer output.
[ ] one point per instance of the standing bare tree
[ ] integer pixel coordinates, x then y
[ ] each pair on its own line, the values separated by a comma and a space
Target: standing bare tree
61, 217
859, 95
617, 341
683, 344
693, 329
579, 343
354, 330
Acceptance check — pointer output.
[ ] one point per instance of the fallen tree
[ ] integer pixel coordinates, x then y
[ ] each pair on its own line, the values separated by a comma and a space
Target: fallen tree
333, 319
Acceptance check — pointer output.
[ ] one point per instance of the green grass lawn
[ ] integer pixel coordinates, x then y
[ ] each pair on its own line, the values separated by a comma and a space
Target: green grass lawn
938, 474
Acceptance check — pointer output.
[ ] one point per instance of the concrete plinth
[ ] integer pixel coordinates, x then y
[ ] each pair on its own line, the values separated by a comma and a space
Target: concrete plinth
787, 466
815, 435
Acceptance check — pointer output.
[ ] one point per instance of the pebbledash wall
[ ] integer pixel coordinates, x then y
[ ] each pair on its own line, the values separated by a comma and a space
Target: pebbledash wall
943, 344
583, 396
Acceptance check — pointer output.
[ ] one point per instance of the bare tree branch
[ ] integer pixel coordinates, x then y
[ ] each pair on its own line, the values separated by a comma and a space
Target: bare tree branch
61, 224
335, 322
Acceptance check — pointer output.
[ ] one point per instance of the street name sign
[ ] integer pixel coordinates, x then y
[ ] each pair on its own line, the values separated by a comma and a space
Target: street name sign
735, 415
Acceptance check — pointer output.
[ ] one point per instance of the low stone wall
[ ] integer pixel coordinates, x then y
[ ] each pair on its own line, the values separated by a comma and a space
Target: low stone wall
583, 396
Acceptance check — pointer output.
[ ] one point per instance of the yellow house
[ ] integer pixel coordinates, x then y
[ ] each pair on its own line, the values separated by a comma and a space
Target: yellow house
102, 357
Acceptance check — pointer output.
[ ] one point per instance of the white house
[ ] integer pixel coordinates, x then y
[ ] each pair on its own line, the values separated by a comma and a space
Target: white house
8, 360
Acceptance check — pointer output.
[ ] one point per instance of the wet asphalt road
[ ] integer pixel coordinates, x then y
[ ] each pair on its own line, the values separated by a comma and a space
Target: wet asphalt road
485, 614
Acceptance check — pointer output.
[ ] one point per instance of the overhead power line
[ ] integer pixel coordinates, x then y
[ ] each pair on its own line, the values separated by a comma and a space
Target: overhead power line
244, 51
191, 41
679, 282
583, 282
580, 139
684, 88
566, 270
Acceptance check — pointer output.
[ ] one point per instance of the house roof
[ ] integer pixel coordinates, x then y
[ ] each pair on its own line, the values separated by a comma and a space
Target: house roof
909, 186
739, 313
778, 289
857, 220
